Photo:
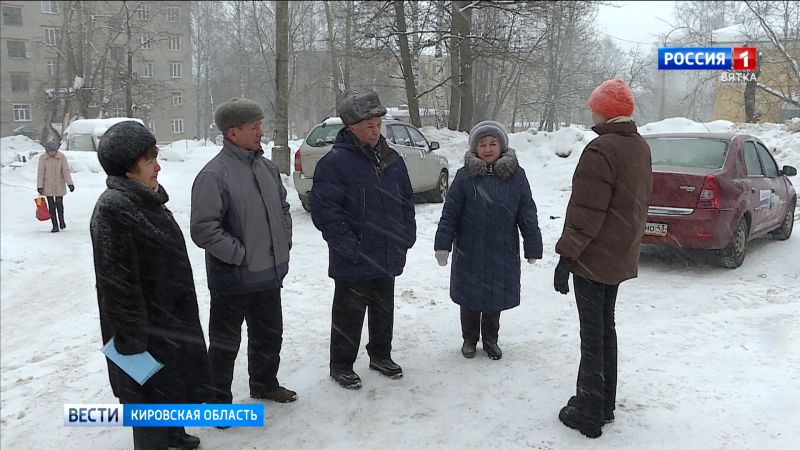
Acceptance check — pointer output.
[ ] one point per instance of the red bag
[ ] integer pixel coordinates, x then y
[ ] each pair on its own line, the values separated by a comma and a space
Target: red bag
42, 213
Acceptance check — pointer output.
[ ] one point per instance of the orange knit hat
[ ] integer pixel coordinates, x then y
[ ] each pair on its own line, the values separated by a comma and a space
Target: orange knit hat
612, 98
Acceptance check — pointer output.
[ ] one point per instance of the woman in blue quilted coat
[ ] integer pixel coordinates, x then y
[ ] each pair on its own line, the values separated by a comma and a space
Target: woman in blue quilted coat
488, 206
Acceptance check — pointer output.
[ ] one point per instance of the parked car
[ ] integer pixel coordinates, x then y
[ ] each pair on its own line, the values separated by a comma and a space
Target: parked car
427, 170
717, 192
83, 135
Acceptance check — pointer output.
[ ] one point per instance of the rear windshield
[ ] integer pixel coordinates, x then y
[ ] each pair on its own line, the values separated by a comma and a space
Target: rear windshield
323, 135
688, 152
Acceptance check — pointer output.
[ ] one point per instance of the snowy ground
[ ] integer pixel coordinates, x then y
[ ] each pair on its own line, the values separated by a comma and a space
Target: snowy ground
708, 357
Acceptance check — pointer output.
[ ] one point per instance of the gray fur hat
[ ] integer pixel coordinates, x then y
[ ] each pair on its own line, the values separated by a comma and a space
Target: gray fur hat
236, 112
358, 107
488, 128
122, 145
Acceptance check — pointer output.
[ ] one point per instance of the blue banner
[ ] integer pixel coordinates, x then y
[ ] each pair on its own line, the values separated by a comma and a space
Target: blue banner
711, 58
193, 415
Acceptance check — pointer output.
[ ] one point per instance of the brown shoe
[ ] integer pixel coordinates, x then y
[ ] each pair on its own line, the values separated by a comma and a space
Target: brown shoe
280, 394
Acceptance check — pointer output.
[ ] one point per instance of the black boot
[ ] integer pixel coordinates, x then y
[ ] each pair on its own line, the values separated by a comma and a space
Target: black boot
492, 350
346, 378
55, 229
61, 224
572, 417
386, 367
179, 439
468, 350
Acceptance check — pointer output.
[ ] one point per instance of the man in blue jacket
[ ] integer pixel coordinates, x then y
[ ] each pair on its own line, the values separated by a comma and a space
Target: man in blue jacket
362, 203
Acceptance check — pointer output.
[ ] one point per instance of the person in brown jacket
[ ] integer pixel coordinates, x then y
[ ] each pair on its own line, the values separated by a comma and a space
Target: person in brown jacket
52, 180
600, 245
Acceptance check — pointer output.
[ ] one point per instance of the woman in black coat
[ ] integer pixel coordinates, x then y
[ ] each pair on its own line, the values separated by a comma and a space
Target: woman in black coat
487, 207
145, 288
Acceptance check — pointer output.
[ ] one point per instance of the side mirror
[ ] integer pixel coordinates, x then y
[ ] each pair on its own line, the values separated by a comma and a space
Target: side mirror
433, 146
789, 171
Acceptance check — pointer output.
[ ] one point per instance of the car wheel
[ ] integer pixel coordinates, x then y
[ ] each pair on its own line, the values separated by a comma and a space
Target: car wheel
439, 193
306, 202
785, 229
732, 256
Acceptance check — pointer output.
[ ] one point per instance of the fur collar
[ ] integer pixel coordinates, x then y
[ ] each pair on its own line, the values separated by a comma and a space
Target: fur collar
505, 167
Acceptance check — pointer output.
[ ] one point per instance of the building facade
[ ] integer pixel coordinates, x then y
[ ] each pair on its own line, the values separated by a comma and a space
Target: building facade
62, 60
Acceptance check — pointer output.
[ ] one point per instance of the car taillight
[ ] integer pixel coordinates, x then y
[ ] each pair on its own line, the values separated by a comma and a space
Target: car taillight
298, 166
710, 195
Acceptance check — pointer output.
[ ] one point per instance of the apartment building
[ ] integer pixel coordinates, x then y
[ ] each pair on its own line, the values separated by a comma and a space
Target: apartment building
45, 44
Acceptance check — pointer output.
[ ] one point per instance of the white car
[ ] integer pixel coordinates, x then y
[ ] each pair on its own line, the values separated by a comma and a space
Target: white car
427, 170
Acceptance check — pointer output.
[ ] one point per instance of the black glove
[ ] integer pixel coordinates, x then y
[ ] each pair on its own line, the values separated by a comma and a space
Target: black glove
561, 277
72, 188
40, 190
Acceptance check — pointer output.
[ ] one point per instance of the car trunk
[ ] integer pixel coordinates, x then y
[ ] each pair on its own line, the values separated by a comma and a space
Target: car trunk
310, 156
677, 187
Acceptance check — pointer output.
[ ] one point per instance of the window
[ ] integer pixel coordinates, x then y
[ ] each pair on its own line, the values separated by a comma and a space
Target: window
52, 68
173, 14
399, 136
770, 167
16, 49
12, 15
19, 82
50, 7
177, 126
751, 160
177, 98
175, 70
144, 11
22, 112
147, 70
146, 41
688, 152
174, 42
321, 136
417, 138
118, 111
52, 36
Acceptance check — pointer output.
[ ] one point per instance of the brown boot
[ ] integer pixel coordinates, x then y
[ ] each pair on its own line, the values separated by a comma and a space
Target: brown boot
280, 394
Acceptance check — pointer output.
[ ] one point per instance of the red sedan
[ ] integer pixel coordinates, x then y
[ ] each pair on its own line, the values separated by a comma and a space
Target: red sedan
717, 191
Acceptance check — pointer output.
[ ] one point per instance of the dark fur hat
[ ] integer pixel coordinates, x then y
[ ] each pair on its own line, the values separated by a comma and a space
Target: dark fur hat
236, 112
358, 107
122, 145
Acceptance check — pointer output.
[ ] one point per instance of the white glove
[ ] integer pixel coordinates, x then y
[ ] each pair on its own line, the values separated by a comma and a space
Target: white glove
441, 257
531, 261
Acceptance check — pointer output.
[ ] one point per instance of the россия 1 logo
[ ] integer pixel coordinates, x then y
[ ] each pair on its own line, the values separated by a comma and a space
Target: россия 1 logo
711, 58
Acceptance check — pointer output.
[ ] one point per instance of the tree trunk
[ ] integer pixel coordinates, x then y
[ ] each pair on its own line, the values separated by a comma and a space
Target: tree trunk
348, 47
407, 64
465, 58
750, 88
455, 69
280, 149
337, 89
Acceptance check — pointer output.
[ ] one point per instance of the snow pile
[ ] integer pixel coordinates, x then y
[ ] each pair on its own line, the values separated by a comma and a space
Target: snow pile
13, 149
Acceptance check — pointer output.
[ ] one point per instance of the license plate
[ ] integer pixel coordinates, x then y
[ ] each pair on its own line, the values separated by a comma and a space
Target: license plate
655, 229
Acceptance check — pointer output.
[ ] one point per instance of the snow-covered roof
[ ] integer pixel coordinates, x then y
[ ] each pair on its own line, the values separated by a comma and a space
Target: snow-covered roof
737, 34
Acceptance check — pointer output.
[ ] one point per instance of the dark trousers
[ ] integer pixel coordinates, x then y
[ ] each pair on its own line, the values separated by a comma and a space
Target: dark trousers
351, 299
56, 207
597, 374
262, 311
475, 324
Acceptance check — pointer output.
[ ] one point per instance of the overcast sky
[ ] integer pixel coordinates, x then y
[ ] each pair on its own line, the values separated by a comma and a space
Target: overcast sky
631, 23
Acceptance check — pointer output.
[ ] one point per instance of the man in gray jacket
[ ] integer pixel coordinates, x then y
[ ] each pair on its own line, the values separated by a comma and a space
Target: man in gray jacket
241, 218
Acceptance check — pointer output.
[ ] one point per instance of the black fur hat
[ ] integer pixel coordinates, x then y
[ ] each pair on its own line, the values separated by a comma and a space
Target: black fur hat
358, 107
122, 145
